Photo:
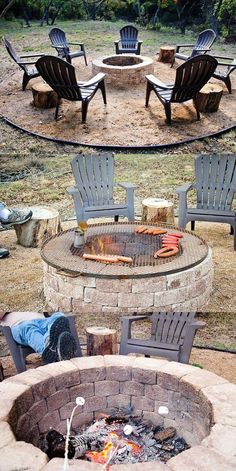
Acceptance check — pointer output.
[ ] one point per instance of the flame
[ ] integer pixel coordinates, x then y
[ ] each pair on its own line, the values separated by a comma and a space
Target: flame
103, 456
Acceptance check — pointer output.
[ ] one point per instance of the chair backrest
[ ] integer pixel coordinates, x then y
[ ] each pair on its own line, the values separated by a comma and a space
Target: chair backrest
58, 37
60, 75
94, 176
170, 327
128, 36
204, 41
215, 181
12, 53
191, 76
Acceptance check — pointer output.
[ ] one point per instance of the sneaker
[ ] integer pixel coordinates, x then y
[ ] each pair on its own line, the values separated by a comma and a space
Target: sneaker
3, 252
66, 347
16, 216
61, 324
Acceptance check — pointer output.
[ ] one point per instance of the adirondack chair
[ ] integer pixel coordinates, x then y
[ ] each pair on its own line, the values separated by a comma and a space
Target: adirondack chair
202, 45
19, 353
215, 187
128, 42
172, 335
190, 78
93, 194
61, 76
59, 42
224, 75
29, 72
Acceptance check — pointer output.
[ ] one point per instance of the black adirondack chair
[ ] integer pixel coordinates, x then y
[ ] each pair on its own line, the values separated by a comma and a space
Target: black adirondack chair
128, 42
224, 75
29, 72
215, 186
61, 77
190, 78
59, 42
203, 44
172, 335
93, 193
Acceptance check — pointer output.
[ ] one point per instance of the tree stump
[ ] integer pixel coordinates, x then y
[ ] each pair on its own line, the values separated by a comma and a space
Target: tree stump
157, 210
44, 223
208, 99
101, 341
43, 95
167, 54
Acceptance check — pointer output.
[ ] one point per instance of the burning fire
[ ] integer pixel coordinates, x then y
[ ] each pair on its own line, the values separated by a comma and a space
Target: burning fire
116, 441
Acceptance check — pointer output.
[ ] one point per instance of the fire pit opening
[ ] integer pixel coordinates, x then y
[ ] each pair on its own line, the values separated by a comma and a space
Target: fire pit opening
123, 61
163, 396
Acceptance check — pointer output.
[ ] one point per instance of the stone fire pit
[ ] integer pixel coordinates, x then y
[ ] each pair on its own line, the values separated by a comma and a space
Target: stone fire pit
201, 407
181, 283
124, 69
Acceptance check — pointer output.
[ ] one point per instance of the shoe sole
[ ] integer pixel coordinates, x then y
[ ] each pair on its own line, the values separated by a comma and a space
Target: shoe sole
58, 327
11, 224
5, 255
66, 347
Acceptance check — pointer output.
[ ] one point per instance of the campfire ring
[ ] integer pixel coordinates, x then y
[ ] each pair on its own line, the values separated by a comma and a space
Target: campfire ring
182, 282
200, 404
124, 69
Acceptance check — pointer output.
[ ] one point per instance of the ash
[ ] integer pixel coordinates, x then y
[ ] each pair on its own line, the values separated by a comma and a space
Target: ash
125, 438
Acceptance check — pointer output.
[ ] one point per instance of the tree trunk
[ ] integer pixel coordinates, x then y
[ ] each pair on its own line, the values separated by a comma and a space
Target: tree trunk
167, 54
7, 7
208, 99
44, 223
101, 341
157, 210
44, 96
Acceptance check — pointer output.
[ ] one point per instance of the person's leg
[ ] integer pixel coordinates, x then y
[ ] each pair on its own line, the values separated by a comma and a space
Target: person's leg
29, 334
10, 217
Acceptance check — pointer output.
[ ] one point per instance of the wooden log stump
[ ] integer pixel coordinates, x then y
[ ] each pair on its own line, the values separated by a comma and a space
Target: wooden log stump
101, 341
157, 210
44, 223
43, 95
208, 99
167, 54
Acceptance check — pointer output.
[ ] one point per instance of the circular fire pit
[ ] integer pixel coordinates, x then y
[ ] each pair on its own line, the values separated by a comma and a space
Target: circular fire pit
201, 408
178, 283
124, 68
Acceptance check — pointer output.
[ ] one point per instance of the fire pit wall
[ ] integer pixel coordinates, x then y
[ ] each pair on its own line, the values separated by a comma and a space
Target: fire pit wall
200, 405
187, 290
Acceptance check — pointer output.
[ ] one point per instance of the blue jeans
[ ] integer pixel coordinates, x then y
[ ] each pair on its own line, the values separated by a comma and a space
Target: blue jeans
34, 332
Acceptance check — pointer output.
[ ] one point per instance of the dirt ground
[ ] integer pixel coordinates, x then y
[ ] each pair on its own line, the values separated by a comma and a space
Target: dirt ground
124, 121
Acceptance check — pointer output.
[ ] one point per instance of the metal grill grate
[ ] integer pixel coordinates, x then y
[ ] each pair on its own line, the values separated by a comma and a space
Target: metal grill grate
121, 239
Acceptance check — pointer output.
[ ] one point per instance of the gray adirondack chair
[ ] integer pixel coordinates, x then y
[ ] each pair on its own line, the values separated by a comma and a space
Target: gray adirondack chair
172, 335
93, 194
190, 78
19, 352
26, 63
215, 187
224, 74
128, 42
60, 43
202, 45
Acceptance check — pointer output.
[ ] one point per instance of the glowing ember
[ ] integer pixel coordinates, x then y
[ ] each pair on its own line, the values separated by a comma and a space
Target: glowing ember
101, 457
116, 442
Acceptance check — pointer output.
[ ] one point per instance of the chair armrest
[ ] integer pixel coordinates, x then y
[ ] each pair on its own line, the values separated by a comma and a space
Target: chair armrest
72, 190
185, 188
32, 55
26, 62
58, 47
93, 81
135, 318
198, 324
140, 42
126, 185
222, 57
154, 81
178, 46
76, 44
